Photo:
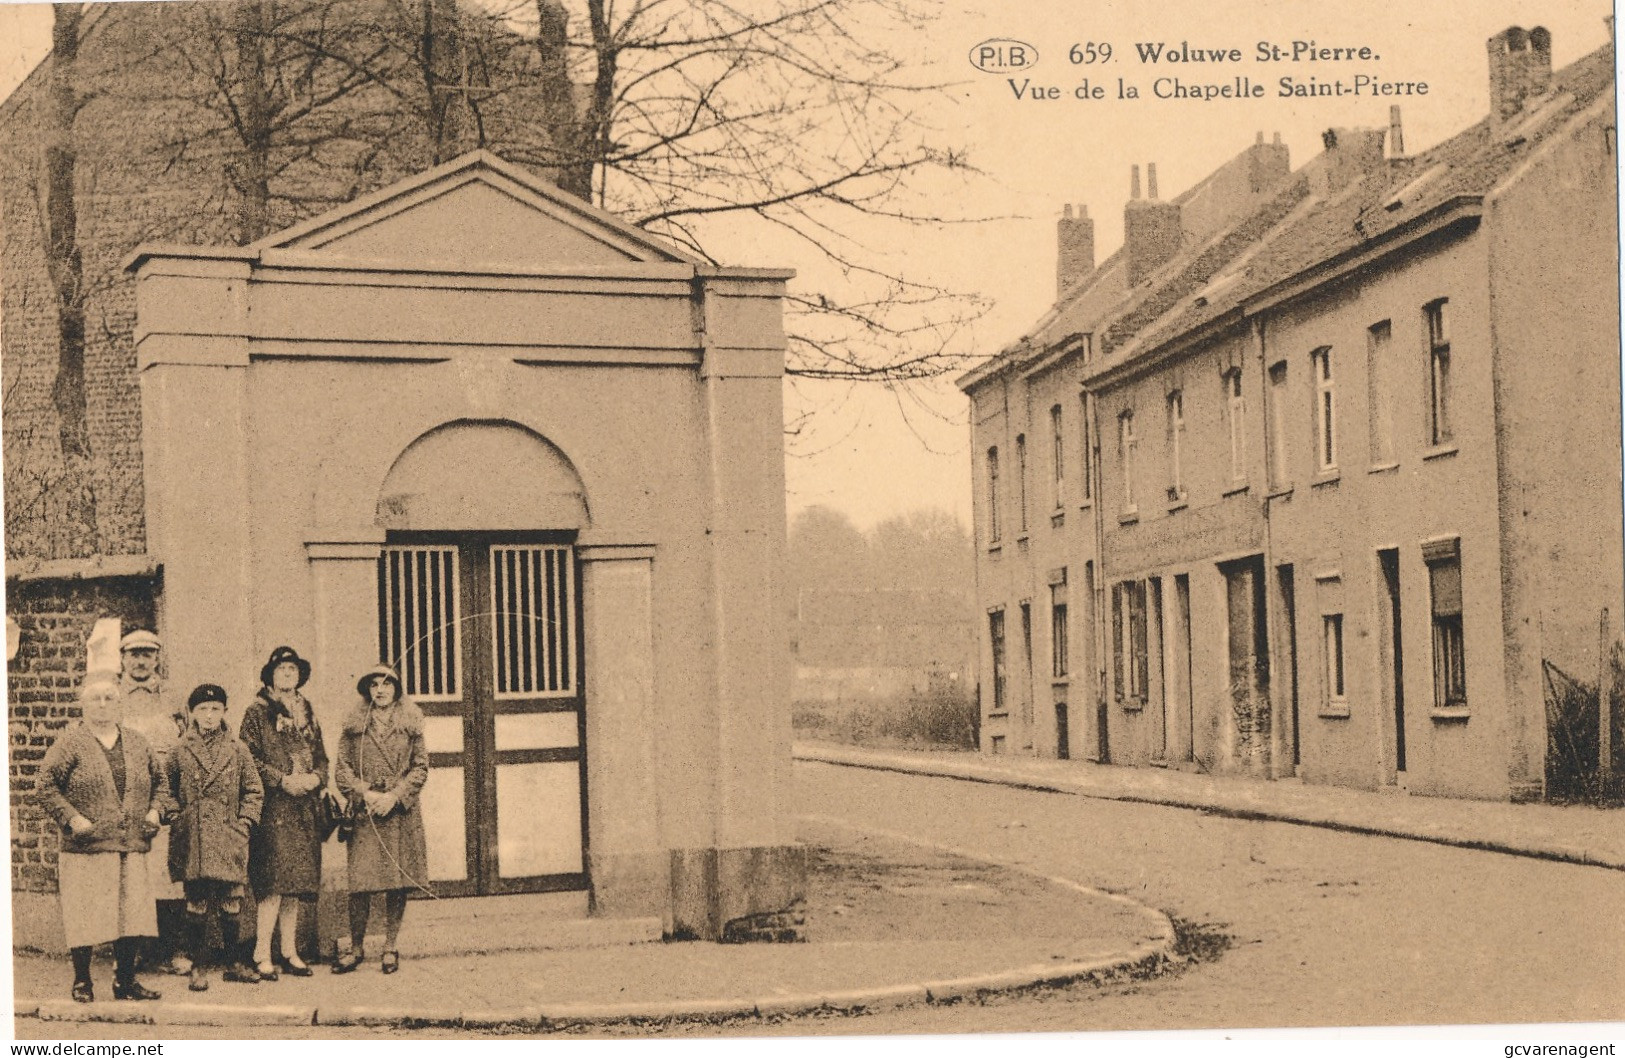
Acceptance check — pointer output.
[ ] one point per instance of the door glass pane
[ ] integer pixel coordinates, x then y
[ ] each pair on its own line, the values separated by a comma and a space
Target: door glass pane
538, 819
444, 825
418, 620
532, 621
536, 730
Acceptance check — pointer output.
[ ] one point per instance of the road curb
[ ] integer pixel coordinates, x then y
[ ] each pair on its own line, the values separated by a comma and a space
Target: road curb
973, 773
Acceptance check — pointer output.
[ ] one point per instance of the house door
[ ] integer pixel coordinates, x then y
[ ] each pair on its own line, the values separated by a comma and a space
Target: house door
485, 633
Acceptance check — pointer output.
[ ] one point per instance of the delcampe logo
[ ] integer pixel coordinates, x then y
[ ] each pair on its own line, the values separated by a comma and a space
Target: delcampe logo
1003, 55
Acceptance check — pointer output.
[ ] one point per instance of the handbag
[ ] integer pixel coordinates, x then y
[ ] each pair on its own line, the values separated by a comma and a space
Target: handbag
334, 818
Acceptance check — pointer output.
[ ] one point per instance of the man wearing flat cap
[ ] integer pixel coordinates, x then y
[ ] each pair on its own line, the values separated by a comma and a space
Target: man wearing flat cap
148, 710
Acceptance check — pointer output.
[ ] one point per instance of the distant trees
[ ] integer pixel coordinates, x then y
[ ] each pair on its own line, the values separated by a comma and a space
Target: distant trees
926, 550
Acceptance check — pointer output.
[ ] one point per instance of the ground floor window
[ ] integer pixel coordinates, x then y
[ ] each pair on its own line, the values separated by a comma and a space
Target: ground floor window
995, 636
1130, 665
1449, 649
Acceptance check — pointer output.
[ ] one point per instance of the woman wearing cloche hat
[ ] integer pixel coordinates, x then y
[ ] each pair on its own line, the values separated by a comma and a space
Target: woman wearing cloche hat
382, 766
285, 858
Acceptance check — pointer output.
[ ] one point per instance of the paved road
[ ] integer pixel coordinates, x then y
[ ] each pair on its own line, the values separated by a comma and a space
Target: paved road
1325, 928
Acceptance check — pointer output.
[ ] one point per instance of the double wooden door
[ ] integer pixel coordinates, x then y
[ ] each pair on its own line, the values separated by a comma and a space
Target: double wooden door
485, 631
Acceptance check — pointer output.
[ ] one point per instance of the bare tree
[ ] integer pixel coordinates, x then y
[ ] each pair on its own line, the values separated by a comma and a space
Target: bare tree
690, 116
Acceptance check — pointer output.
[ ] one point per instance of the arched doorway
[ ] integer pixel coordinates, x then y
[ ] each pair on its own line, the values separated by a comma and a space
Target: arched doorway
479, 605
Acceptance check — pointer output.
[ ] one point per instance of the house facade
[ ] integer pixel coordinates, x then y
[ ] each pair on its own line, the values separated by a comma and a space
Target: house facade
1347, 489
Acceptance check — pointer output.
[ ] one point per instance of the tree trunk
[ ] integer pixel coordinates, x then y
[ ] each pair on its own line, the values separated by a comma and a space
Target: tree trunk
443, 81
574, 164
76, 534
251, 172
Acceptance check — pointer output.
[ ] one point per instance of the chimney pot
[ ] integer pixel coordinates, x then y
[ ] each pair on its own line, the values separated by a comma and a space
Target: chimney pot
1520, 67
1151, 180
1396, 133
1277, 137
1075, 248
1260, 138
1134, 182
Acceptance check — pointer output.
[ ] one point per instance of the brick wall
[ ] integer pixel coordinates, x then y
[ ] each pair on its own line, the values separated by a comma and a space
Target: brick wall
56, 611
153, 164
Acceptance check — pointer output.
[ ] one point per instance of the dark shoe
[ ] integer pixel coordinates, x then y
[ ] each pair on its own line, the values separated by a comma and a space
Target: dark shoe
133, 989
267, 970
199, 979
391, 962
347, 961
295, 969
241, 973
84, 992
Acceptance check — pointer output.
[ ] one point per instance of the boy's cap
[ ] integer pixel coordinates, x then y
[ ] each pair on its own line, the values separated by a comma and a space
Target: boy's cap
206, 692
140, 639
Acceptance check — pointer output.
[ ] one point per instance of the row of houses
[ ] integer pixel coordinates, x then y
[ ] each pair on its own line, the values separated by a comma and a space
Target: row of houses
1318, 475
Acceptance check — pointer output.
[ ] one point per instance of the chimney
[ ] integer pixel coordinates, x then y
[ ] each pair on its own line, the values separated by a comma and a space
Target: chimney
1520, 67
1152, 233
1396, 133
1134, 183
1075, 248
1268, 164
1350, 155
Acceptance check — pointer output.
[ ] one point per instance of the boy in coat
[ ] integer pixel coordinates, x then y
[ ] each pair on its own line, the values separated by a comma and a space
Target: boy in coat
214, 783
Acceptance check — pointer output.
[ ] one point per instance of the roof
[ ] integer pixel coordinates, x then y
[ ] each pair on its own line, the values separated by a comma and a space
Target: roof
1302, 230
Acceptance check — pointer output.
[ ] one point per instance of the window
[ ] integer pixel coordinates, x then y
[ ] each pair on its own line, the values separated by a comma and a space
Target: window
1021, 476
1027, 666
1439, 428
993, 495
1126, 445
1236, 413
1332, 624
1176, 440
1059, 446
1057, 628
1325, 411
1380, 404
1278, 455
1086, 470
1449, 658
1130, 665
995, 638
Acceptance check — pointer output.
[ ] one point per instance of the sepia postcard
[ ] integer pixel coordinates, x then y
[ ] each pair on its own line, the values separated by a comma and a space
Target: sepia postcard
619, 519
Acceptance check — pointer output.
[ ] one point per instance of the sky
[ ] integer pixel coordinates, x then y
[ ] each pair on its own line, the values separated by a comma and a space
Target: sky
875, 454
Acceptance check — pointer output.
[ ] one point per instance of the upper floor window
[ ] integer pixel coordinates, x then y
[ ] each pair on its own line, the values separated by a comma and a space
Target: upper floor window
1021, 480
1176, 442
993, 495
1439, 425
1235, 408
1058, 446
1127, 445
1325, 410
1086, 469
1380, 397
1279, 462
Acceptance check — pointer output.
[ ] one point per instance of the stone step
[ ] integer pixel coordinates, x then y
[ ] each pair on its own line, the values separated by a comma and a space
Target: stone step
522, 922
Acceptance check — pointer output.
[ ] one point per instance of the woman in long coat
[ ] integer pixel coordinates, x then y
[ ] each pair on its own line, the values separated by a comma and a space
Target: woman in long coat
381, 768
285, 853
100, 782
216, 791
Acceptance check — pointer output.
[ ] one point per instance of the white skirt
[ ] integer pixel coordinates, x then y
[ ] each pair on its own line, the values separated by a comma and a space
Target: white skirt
105, 896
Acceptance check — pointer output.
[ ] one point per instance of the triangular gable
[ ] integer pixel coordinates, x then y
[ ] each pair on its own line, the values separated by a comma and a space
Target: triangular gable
475, 210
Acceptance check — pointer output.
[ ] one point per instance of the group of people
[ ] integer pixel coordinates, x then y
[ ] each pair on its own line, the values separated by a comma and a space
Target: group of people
169, 820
